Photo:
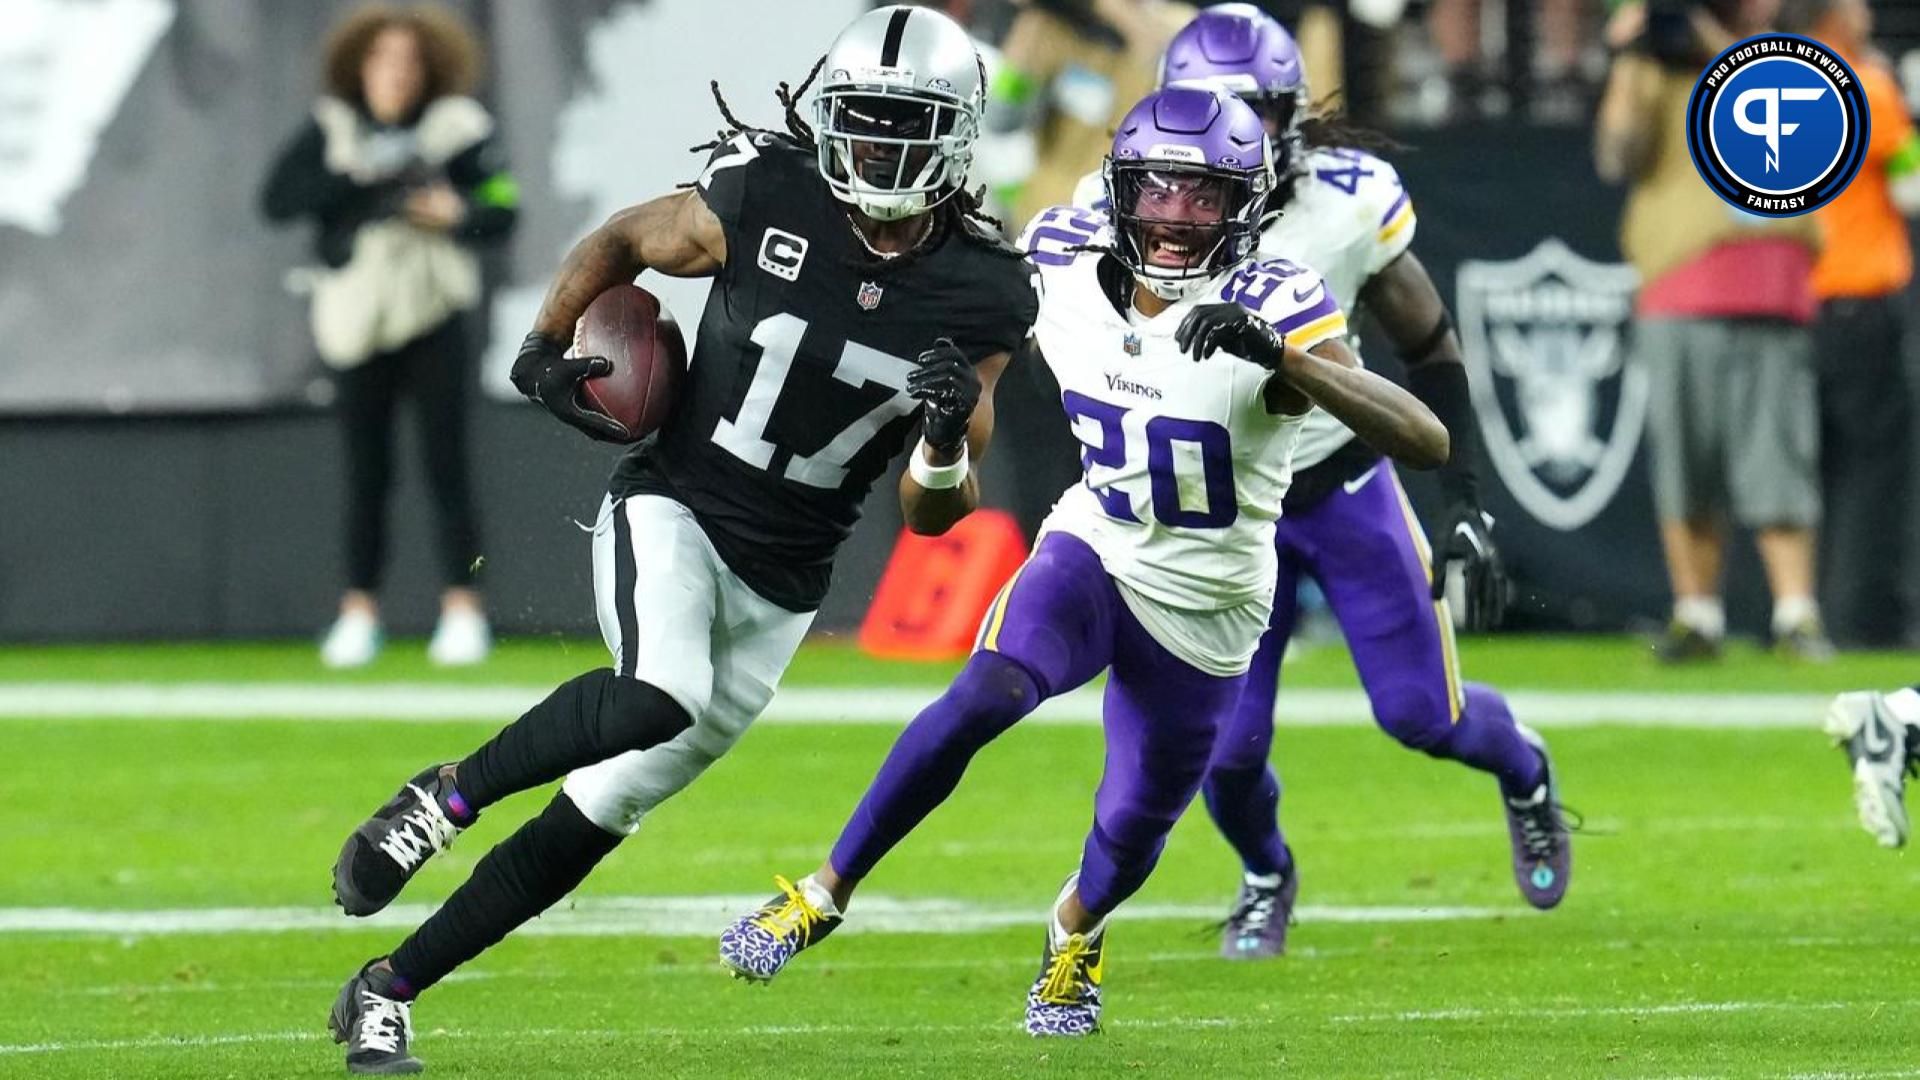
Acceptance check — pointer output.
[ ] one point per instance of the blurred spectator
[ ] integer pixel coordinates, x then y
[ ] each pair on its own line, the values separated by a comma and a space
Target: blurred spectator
1070, 69
1550, 73
1348, 46
400, 174
1865, 406
1720, 325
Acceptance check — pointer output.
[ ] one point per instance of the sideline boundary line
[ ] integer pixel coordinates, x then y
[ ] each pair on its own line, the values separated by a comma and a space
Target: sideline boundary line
659, 916
879, 705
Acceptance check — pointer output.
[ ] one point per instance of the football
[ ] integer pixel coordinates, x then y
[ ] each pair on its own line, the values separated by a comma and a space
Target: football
627, 325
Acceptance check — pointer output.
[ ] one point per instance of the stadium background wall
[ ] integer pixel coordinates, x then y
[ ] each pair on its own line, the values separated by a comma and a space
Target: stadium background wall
191, 490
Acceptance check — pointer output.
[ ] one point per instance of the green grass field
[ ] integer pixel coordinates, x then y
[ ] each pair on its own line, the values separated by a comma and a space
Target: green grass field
164, 897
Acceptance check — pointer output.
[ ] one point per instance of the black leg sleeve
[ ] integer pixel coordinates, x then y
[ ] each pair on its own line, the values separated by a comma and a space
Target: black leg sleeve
589, 719
524, 875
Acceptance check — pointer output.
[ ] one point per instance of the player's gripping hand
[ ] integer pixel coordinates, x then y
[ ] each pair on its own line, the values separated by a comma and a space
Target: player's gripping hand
1233, 329
1468, 539
945, 383
545, 373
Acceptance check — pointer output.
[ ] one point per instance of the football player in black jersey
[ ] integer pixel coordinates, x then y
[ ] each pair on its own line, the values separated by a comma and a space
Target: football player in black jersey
855, 291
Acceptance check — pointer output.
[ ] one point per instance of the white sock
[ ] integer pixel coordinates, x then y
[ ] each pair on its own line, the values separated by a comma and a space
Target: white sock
1905, 705
818, 896
1792, 612
1060, 933
1701, 613
1264, 881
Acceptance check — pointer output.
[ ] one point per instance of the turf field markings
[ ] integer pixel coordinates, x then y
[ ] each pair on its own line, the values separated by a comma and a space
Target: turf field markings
1577, 1012
999, 1027
159, 1042
882, 705
661, 916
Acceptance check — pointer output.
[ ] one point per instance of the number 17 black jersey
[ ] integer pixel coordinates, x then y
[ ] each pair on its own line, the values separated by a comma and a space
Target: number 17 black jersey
796, 393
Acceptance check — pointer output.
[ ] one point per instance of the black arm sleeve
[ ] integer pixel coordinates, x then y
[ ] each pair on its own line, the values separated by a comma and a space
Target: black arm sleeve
301, 185
479, 173
1442, 387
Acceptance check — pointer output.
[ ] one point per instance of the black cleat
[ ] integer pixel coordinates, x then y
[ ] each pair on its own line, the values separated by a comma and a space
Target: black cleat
382, 855
375, 1026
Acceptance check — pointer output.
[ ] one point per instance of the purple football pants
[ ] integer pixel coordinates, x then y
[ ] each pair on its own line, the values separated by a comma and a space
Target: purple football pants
1058, 623
1365, 548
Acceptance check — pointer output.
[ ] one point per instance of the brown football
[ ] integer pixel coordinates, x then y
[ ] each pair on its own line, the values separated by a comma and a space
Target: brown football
627, 325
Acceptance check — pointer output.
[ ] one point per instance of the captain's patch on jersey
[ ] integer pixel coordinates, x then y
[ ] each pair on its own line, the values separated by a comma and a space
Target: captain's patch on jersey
781, 254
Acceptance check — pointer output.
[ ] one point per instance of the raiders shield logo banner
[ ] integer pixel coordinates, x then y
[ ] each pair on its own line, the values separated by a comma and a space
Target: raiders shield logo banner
1560, 409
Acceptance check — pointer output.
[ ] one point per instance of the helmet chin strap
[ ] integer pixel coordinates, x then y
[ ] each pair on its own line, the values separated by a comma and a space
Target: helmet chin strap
1173, 290
888, 205
882, 204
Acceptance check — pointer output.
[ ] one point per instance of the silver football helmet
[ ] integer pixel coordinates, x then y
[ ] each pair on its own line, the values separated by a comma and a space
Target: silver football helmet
901, 95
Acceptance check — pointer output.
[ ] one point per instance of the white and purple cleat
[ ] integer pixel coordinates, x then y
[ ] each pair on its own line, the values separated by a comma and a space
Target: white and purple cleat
759, 944
1064, 1001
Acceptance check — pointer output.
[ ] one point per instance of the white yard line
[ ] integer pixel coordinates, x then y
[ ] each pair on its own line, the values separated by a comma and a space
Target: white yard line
660, 916
1176, 1023
882, 705
1575, 1012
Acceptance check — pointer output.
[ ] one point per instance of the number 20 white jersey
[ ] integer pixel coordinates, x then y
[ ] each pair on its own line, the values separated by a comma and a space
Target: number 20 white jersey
1184, 468
1347, 217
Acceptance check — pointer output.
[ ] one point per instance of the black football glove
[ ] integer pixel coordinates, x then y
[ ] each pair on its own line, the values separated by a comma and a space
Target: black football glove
1233, 329
945, 383
1468, 539
545, 373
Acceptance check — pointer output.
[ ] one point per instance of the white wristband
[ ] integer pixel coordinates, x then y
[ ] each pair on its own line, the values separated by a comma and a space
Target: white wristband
936, 477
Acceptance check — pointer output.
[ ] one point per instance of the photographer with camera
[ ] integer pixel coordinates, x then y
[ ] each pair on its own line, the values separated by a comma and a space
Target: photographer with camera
1721, 328
400, 175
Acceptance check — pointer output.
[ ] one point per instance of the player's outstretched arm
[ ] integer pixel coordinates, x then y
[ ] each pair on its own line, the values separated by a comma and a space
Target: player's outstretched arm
1380, 411
1391, 420
941, 484
1409, 309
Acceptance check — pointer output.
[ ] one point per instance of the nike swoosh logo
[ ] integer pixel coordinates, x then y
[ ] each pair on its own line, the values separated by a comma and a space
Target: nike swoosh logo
1300, 297
1354, 485
1876, 740
1094, 969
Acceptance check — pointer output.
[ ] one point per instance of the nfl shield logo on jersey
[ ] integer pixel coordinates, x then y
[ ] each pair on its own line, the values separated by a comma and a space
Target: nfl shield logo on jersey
1560, 410
869, 296
1131, 343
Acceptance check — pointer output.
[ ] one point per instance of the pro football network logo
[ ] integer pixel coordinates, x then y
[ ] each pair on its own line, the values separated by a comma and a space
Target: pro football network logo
1777, 125
1560, 409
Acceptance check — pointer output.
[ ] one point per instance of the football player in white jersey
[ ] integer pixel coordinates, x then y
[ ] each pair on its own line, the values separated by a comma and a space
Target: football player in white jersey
1187, 370
1343, 212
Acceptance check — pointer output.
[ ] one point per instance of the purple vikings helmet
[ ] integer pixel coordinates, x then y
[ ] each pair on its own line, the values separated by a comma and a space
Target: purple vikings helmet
1187, 183
1241, 49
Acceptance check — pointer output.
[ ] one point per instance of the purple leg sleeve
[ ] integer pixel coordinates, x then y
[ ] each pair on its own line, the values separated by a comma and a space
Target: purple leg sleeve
1241, 788
1161, 717
1049, 631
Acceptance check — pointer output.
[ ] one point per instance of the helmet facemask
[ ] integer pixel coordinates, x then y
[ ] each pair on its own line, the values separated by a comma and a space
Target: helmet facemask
1178, 225
1281, 111
892, 152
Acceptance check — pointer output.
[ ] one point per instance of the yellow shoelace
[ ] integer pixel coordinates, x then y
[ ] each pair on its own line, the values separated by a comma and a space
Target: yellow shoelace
1062, 986
796, 914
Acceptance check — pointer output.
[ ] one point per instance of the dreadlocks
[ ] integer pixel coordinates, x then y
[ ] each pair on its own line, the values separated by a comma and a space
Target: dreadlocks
960, 212
1326, 125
